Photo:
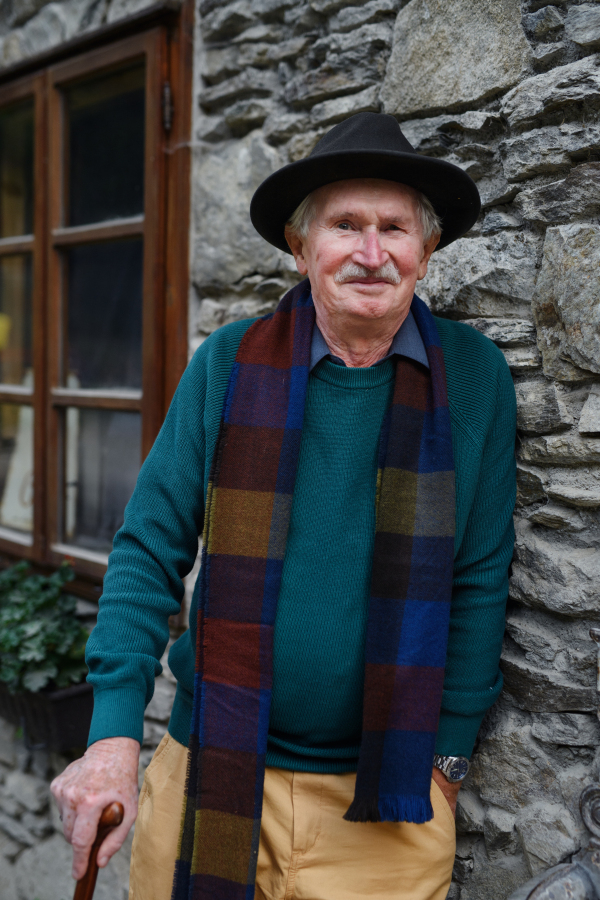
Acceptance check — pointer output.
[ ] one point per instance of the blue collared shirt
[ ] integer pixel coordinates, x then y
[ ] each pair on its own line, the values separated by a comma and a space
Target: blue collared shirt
407, 342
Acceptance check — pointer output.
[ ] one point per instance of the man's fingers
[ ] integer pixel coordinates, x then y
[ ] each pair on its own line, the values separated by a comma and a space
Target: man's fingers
82, 837
113, 842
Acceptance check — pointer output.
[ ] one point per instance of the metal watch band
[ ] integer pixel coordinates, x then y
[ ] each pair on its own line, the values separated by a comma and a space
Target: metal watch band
455, 768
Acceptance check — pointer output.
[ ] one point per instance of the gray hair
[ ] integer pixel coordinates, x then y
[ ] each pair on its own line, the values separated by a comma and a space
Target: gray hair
302, 217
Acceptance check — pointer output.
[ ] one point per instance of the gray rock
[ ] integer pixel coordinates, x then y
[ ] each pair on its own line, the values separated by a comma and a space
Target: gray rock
280, 127
321, 84
447, 55
522, 360
350, 17
565, 305
118, 9
470, 813
575, 487
220, 63
543, 23
577, 197
212, 128
483, 276
530, 488
39, 826
546, 54
548, 834
589, 422
554, 576
505, 332
224, 253
549, 150
368, 38
539, 409
499, 832
249, 83
559, 517
160, 706
434, 135
557, 89
29, 791
269, 32
8, 884
332, 111
15, 830
271, 54
560, 449
44, 872
245, 115
566, 729
9, 850
227, 21
301, 144
583, 25
497, 219
327, 7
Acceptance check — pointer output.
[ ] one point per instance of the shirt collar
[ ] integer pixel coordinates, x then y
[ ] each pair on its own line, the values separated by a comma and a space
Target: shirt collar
407, 342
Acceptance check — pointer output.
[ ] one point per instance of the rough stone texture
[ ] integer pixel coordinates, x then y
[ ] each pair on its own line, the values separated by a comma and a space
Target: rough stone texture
565, 302
510, 92
463, 52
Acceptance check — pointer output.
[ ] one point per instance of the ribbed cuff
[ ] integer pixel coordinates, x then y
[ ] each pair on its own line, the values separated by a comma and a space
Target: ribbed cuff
456, 734
118, 712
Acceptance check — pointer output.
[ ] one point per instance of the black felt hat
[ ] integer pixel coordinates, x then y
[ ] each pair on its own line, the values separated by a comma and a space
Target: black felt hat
367, 145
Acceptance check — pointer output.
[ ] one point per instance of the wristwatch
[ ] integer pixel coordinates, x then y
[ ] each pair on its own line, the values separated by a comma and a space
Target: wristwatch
454, 768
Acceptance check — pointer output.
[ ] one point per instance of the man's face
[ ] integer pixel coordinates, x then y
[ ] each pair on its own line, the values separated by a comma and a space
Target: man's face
364, 251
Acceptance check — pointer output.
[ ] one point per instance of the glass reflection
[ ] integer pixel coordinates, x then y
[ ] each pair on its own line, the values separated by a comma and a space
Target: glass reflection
15, 319
104, 322
16, 170
106, 147
103, 455
16, 466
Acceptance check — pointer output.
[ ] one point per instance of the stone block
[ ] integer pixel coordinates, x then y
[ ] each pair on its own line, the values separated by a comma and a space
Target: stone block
118, 9
589, 421
554, 576
226, 22
544, 23
226, 247
332, 111
522, 360
548, 835
315, 86
219, 63
553, 91
302, 144
558, 517
368, 39
470, 813
576, 197
8, 884
245, 115
350, 17
575, 487
269, 32
499, 832
583, 25
536, 689
505, 332
249, 83
565, 302
39, 826
530, 488
161, 704
9, 850
546, 54
328, 7
483, 276
446, 55
280, 127
548, 151
29, 791
566, 729
539, 409
560, 449
15, 830
434, 136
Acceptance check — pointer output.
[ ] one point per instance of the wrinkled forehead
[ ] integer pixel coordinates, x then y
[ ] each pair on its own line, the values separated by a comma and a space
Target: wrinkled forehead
364, 195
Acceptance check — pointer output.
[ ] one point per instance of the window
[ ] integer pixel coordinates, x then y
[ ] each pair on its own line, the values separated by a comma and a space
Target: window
93, 163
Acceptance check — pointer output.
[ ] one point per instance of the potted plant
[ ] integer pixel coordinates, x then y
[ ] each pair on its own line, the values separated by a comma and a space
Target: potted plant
42, 665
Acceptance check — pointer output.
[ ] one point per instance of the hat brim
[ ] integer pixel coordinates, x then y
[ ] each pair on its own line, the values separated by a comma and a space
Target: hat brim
451, 191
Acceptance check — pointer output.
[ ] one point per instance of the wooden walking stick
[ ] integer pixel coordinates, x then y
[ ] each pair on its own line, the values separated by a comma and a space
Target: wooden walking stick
111, 817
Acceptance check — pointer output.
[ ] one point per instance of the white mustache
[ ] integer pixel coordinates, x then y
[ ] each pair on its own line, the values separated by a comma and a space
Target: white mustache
387, 271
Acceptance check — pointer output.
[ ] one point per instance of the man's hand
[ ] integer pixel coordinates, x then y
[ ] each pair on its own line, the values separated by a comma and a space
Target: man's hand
107, 772
448, 789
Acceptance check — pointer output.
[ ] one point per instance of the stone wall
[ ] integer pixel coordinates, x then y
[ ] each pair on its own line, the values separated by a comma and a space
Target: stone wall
511, 92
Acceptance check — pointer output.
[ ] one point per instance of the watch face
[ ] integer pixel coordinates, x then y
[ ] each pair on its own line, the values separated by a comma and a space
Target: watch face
458, 769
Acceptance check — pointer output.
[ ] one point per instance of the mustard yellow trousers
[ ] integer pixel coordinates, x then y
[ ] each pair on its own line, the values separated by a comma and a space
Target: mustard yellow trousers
307, 849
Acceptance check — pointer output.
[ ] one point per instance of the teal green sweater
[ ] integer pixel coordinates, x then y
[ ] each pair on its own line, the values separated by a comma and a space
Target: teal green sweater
321, 616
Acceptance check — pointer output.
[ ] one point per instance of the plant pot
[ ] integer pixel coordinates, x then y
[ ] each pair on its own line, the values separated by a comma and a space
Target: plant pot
57, 720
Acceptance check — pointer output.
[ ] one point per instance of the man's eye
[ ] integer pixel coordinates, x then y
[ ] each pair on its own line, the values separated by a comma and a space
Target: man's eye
345, 226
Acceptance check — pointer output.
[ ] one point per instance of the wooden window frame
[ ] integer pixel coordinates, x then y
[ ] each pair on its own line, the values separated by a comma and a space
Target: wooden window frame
163, 36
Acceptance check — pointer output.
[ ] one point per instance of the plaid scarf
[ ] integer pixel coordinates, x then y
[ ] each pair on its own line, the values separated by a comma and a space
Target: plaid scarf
247, 515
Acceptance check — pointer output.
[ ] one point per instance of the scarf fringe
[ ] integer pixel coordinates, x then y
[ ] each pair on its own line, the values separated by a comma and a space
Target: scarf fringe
408, 808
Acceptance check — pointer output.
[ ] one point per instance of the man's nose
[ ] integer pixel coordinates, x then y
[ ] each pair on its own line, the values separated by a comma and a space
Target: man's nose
370, 252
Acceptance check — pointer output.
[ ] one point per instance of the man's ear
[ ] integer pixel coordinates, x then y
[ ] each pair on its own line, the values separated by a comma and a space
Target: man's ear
296, 245
428, 249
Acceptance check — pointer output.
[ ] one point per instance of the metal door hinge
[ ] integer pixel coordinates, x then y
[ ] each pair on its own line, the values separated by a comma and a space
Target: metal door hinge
167, 106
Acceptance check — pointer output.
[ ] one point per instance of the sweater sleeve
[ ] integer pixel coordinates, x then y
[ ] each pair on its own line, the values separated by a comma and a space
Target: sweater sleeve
152, 553
480, 587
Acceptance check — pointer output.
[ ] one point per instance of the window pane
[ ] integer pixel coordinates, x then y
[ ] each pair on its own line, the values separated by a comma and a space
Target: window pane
106, 147
104, 322
16, 466
103, 454
15, 319
16, 170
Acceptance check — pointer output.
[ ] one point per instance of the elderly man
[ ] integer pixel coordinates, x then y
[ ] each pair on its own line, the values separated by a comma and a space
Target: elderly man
350, 461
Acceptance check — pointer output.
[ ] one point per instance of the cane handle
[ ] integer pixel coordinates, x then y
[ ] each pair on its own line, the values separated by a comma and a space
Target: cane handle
111, 817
